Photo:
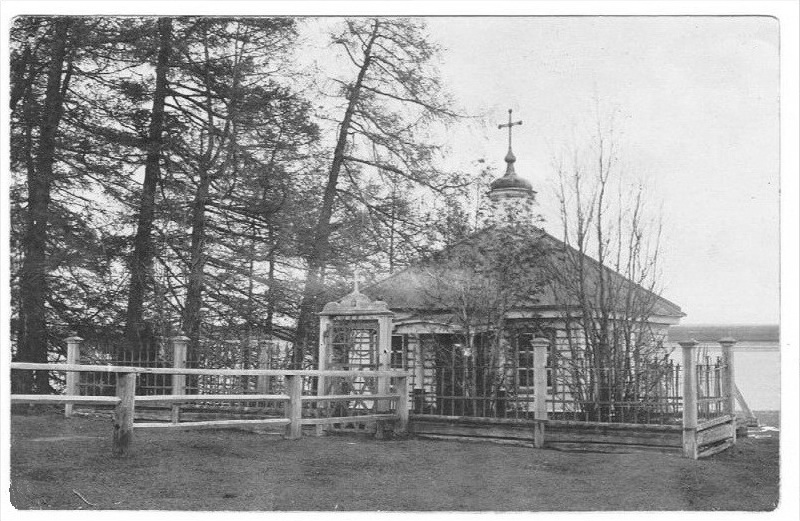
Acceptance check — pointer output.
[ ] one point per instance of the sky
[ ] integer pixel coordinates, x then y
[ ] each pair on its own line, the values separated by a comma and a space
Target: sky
698, 113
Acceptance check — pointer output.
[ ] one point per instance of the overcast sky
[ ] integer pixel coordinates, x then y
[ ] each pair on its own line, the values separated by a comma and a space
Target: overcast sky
698, 100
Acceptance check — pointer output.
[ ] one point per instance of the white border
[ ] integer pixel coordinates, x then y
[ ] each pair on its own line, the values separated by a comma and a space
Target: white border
786, 11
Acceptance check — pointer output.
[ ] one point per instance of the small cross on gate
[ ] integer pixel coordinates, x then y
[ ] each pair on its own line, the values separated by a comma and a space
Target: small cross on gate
509, 125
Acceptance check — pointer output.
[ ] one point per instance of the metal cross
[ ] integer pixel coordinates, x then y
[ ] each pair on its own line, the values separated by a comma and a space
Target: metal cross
509, 125
356, 279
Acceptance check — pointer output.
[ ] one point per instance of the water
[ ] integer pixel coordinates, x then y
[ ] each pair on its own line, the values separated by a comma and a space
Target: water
757, 370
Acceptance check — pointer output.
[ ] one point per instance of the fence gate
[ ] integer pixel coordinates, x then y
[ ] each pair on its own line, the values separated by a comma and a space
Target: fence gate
355, 334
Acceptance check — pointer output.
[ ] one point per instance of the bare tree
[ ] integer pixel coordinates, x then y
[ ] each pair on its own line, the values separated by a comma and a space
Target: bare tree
475, 285
606, 278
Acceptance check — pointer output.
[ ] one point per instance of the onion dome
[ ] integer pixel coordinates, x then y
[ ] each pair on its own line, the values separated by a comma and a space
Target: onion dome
511, 180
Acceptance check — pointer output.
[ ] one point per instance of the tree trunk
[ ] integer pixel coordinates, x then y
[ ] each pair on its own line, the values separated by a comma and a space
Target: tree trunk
194, 292
142, 261
33, 277
319, 252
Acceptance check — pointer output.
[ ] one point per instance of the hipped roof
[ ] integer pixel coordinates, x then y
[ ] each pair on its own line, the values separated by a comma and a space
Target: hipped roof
406, 290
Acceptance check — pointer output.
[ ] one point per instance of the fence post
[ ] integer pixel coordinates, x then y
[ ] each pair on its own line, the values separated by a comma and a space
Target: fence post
179, 344
401, 427
540, 346
123, 415
689, 399
294, 407
262, 380
73, 358
729, 380
325, 332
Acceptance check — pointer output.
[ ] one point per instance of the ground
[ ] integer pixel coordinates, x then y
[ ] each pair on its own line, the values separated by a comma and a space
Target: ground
59, 463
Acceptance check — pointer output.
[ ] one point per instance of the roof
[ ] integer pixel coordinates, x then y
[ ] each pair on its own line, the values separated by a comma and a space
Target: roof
408, 290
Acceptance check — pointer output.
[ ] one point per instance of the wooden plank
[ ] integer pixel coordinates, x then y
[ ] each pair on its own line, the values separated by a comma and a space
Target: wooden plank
222, 372
499, 441
212, 423
614, 426
474, 420
58, 399
348, 397
714, 449
365, 418
660, 439
191, 416
715, 434
713, 423
168, 398
123, 415
611, 448
482, 431
609, 430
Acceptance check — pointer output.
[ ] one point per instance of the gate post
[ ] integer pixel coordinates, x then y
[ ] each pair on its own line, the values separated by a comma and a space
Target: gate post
384, 364
729, 380
73, 358
179, 344
323, 354
689, 398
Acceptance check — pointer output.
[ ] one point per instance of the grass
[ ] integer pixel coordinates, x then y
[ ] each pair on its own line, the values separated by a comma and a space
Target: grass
54, 460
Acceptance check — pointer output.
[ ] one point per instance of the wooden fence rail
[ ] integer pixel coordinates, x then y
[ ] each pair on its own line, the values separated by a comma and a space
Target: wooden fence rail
126, 399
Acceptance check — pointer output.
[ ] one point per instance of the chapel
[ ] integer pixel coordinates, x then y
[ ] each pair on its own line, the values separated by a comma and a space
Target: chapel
464, 320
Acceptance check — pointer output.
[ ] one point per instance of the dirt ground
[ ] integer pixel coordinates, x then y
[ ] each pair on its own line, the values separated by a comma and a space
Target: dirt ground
59, 463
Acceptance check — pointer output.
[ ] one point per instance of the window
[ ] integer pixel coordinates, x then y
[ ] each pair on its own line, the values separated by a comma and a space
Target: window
524, 359
398, 359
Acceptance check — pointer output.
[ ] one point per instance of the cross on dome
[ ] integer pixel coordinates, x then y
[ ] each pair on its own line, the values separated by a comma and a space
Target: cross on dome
510, 125
510, 184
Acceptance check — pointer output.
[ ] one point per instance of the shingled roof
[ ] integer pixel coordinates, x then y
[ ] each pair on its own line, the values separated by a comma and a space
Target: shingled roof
407, 290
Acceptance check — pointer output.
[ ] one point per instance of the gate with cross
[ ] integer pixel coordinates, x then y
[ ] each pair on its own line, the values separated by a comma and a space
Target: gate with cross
355, 334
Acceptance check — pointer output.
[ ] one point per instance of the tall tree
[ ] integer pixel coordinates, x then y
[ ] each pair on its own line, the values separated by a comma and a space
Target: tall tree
39, 158
142, 258
227, 95
390, 99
